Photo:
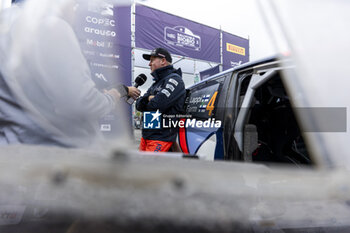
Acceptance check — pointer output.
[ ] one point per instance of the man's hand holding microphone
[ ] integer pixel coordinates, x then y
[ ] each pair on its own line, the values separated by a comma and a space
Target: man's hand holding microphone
133, 92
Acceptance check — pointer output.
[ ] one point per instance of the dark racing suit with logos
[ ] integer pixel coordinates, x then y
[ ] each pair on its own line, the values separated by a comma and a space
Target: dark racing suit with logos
169, 98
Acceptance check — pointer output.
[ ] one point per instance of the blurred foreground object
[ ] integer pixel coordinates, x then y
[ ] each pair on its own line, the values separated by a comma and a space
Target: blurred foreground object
318, 44
71, 190
47, 93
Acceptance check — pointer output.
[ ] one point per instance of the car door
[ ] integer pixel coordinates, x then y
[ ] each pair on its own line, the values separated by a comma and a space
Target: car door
205, 103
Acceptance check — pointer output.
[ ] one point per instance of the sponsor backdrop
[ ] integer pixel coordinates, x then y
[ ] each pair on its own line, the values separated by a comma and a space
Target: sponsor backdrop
180, 36
104, 33
235, 50
209, 72
104, 28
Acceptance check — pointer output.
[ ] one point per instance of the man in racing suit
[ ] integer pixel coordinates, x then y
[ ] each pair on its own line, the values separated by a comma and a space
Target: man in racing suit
166, 96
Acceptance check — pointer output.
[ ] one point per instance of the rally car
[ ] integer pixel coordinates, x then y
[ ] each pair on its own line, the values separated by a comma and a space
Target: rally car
257, 119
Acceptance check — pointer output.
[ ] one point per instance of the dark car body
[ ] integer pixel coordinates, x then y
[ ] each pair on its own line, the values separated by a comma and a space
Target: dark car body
257, 120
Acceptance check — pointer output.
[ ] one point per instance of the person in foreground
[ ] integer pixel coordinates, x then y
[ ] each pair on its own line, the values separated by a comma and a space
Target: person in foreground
47, 96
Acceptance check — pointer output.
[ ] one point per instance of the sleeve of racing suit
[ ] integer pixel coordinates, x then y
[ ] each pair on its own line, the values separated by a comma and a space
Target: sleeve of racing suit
173, 88
141, 103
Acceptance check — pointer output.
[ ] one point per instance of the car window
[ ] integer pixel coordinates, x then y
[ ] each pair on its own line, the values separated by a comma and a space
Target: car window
270, 117
243, 83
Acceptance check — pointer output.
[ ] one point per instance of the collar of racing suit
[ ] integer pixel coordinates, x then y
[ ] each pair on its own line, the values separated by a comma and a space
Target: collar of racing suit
162, 72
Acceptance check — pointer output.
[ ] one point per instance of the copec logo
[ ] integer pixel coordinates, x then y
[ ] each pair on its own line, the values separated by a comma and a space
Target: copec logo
100, 21
155, 120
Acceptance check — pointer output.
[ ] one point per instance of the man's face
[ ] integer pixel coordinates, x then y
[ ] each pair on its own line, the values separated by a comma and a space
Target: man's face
156, 63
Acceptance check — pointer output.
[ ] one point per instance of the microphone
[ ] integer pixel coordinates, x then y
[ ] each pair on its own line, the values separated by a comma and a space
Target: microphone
139, 81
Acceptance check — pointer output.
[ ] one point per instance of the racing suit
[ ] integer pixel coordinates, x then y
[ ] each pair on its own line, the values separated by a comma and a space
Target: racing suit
169, 94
